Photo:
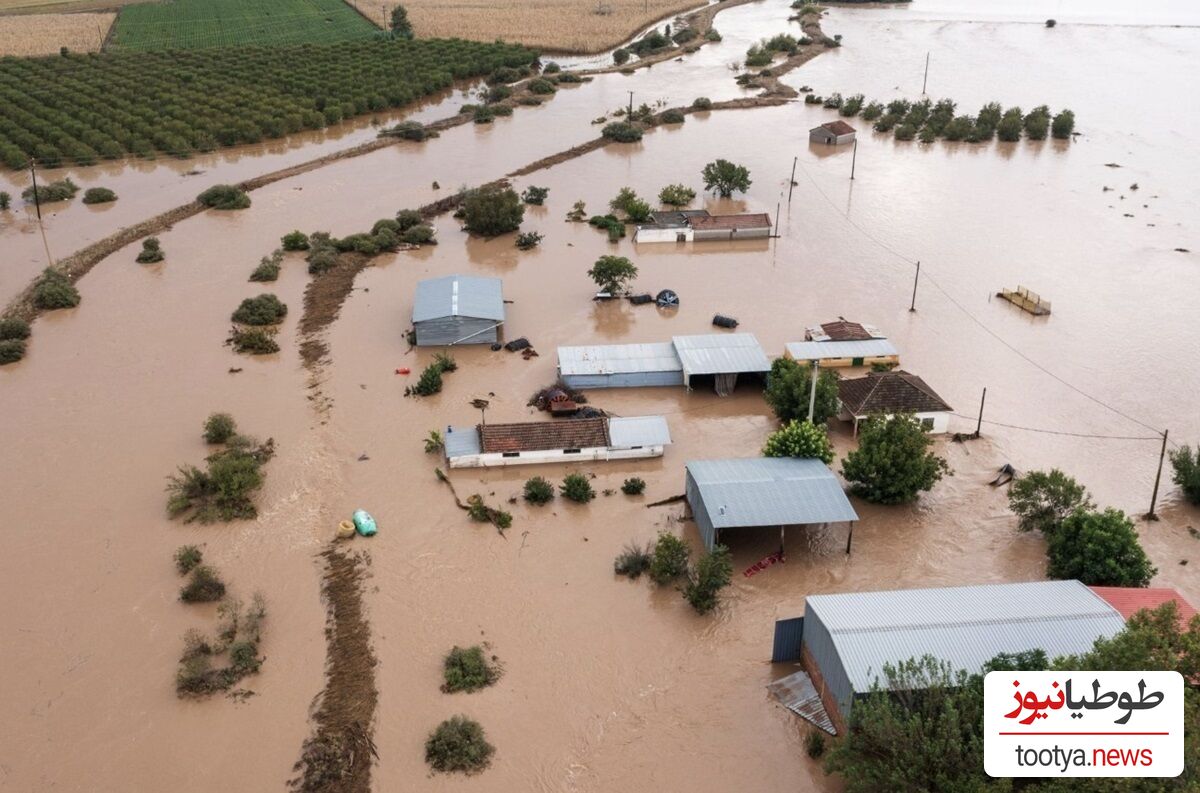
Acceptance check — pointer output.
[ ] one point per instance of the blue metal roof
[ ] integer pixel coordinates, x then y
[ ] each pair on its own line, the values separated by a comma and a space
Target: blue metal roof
728, 353
618, 359
819, 350
462, 441
626, 433
459, 296
770, 491
964, 626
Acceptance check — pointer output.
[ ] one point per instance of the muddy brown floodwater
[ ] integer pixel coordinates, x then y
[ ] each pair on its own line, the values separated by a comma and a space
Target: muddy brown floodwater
609, 684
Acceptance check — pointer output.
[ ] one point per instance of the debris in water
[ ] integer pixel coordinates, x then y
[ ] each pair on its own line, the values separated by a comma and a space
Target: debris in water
516, 345
497, 347
235, 369
1133, 186
1111, 165
1182, 250
1006, 475
639, 300
667, 299
362, 458
722, 321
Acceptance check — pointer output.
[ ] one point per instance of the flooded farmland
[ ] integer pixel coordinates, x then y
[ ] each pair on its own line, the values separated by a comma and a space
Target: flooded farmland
608, 684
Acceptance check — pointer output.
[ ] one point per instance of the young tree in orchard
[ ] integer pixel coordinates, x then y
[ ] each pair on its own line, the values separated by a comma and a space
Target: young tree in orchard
400, 24
1043, 500
724, 177
613, 273
893, 463
800, 439
789, 389
1099, 549
490, 211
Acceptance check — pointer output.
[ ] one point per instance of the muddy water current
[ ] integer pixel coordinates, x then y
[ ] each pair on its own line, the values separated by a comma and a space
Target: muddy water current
608, 684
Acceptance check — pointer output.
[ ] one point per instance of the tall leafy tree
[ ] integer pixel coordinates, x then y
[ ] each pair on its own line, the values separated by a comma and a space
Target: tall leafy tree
1099, 549
613, 273
400, 24
893, 462
1042, 500
789, 389
1187, 471
724, 177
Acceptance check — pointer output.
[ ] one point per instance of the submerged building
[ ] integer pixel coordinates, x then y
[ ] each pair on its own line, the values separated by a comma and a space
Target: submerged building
697, 225
833, 133
561, 441
458, 309
888, 393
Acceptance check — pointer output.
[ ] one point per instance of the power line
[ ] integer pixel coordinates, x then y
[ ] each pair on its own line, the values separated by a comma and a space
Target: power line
1044, 431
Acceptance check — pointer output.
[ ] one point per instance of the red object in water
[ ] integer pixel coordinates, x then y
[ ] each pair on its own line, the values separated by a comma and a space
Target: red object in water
403, 370
763, 564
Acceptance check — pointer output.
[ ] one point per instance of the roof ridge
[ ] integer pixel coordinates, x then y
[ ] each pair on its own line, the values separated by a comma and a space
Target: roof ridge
978, 622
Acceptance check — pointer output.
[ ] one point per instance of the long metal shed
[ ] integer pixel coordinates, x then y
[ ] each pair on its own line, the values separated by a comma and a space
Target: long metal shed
763, 492
843, 353
725, 356
620, 366
458, 309
849, 637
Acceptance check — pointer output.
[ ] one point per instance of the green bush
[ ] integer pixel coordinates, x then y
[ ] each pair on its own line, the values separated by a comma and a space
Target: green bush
458, 744
490, 211
1043, 500
467, 670
268, 267
714, 571
535, 195
670, 558
419, 235
814, 743
434, 442
13, 328
266, 309
253, 341
612, 274
187, 557
757, 57
633, 560
409, 130
577, 488
322, 253
1010, 126
712, 35
407, 218
702, 103
528, 240
203, 586
222, 491
1186, 465
11, 350
223, 196
905, 132
1037, 123
483, 115
676, 195
620, 56
5, 201
504, 74
672, 116
1063, 125
622, 132
53, 290
219, 428
61, 190
683, 35
498, 93
151, 251
295, 241
800, 439
538, 490
551, 68
1099, 549
633, 486
541, 86
893, 463
386, 224
872, 111
98, 195
430, 381
851, 106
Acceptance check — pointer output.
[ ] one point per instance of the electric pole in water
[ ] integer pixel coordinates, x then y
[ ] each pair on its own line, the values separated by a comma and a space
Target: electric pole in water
812, 391
913, 306
630, 115
979, 422
36, 200
792, 181
925, 82
1157, 478
853, 159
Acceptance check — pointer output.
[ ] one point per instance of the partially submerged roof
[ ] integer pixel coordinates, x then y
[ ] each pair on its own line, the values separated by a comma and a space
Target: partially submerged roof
532, 436
889, 392
627, 433
459, 296
760, 220
838, 127
675, 218
817, 350
462, 441
618, 359
843, 330
728, 353
1130, 600
770, 491
964, 626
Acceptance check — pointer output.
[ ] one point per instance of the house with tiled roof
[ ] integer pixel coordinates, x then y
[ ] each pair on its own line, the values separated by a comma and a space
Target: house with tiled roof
561, 441
888, 393
834, 133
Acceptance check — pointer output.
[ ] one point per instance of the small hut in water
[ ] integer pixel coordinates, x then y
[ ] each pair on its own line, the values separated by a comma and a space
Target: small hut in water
458, 309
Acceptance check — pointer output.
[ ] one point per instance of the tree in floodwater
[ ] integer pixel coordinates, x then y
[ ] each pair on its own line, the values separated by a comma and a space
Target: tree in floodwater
789, 387
893, 463
724, 177
1063, 125
613, 273
1042, 500
1099, 549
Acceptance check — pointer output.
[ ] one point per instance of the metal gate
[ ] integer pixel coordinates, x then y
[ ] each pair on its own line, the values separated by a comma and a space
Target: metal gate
788, 634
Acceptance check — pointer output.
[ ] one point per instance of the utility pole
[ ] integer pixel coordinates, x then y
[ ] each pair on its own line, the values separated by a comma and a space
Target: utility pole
1157, 477
853, 159
925, 82
979, 422
36, 201
776, 219
812, 391
913, 306
792, 181
630, 116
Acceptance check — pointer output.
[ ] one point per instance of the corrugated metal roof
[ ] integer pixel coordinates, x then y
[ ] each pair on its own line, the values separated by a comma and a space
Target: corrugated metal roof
814, 350
459, 296
721, 354
618, 359
770, 491
964, 626
462, 441
625, 433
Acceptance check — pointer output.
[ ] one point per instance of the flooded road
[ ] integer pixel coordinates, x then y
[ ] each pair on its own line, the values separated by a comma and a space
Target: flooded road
608, 684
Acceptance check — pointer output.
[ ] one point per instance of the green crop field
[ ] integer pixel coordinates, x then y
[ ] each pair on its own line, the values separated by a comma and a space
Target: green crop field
195, 24
80, 109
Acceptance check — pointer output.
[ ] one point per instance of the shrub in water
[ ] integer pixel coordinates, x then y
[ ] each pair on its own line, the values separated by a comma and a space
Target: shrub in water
268, 266
676, 195
528, 240
295, 241
421, 234
622, 132
1063, 125
204, 586
186, 558
673, 116
98, 195
151, 251
467, 669
49, 193
814, 743
409, 130
633, 560
713, 572
1186, 465
551, 68
222, 491
458, 744
407, 218
712, 35
224, 196
484, 115
266, 309
535, 195
321, 260
5, 201
11, 350
620, 56
254, 341
54, 290
538, 490
670, 558
541, 86
634, 486
434, 443
577, 488
702, 103
13, 328
219, 428
492, 210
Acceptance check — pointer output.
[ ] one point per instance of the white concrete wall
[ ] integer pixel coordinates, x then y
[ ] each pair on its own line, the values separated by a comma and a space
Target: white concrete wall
591, 454
642, 234
941, 420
